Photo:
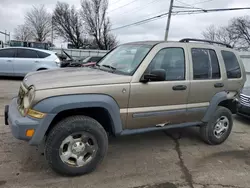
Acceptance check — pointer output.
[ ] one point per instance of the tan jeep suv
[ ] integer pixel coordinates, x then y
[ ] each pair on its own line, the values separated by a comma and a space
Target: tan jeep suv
136, 88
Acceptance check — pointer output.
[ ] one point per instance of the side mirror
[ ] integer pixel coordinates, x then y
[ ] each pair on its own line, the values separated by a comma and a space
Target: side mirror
155, 75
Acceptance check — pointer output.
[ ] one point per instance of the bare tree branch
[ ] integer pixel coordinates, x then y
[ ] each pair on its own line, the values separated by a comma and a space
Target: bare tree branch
97, 24
221, 34
39, 22
68, 25
210, 33
236, 33
240, 28
23, 33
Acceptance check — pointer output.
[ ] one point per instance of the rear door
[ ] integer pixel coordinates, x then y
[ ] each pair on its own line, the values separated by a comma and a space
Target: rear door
25, 61
206, 79
6, 61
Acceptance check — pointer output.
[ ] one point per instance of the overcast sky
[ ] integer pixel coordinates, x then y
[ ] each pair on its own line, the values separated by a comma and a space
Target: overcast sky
12, 14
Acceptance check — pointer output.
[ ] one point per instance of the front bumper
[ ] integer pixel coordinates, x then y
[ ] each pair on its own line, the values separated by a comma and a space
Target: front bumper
243, 110
19, 124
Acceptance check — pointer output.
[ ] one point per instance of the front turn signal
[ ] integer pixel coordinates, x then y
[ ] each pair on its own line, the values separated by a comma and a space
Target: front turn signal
30, 132
36, 114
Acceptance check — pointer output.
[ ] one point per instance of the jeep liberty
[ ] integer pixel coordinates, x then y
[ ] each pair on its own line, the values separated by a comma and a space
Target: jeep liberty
136, 88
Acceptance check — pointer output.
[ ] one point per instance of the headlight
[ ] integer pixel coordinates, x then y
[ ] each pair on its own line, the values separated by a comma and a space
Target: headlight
28, 98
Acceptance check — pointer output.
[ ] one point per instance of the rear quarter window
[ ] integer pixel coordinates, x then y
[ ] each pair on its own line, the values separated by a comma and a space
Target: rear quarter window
42, 54
231, 64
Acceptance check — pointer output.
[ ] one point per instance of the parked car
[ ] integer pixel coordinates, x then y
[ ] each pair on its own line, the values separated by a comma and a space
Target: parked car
136, 88
82, 62
244, 102
90, 61
18, 61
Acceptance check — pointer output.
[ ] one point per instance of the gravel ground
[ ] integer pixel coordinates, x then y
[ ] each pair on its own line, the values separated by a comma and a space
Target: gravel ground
172, 159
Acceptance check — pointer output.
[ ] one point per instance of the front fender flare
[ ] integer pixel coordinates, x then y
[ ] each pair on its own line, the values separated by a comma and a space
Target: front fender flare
54, 105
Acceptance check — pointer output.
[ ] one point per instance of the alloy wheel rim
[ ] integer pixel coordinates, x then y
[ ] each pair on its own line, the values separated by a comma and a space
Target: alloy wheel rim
221, 127
78, 149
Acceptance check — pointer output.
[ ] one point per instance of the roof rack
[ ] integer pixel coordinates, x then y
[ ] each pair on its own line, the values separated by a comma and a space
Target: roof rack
208, 41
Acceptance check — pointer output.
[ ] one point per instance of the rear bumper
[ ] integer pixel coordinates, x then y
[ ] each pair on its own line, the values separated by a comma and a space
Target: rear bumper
19, 124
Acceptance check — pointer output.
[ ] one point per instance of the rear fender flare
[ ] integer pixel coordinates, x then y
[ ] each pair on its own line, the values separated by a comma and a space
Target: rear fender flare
215, 101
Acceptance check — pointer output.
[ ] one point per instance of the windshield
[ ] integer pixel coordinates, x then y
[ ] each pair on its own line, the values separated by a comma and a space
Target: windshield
125, 58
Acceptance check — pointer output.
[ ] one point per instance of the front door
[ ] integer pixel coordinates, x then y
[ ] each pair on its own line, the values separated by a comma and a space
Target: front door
6, 61
161, 103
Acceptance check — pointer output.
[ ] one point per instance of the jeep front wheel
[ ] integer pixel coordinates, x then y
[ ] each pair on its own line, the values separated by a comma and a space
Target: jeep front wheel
76, 145
219, 127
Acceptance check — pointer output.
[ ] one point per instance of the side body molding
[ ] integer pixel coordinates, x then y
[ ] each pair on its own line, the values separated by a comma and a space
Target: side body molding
215, 101
54, 105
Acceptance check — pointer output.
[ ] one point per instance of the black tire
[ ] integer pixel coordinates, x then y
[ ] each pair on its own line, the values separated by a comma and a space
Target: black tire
207, 130
67, 127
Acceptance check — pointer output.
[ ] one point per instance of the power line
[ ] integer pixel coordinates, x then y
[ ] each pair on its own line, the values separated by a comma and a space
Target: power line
116, 1
139, 8
142, 21
179, 13
190, 6
202, 2
122, 6
213, 10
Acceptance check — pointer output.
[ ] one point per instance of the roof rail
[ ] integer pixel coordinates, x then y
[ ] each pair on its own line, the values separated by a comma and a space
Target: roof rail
202, 40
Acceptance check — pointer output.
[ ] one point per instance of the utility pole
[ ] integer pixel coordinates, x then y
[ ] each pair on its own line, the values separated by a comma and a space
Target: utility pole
52, 31
5, 37
169, 19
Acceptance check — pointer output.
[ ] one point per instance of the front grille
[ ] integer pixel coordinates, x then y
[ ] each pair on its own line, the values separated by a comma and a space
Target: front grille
245, 100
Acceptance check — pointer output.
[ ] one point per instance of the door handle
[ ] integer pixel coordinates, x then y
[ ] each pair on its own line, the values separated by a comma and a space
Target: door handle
36, 61
218, 85
179, 87
9, 61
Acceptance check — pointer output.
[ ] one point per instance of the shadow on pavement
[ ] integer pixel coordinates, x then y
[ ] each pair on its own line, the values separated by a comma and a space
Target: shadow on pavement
236, 154
242, 119
10, 78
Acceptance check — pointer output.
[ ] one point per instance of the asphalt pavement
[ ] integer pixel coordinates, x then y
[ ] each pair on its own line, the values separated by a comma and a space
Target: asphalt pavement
172, 159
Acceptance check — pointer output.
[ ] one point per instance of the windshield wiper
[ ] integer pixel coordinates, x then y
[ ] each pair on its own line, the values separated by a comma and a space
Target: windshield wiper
109, 66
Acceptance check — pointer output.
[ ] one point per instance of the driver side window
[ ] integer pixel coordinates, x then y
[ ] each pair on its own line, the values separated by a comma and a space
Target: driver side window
172, 60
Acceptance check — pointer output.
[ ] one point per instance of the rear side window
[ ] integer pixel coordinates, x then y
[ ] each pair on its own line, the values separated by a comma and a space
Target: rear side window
42, 54
205, 64
231, 64
7, 53
26, 53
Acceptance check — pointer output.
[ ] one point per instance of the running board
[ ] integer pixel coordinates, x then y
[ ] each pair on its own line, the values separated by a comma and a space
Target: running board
151, 129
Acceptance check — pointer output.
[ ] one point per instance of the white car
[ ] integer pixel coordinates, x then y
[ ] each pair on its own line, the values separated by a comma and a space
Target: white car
18, 61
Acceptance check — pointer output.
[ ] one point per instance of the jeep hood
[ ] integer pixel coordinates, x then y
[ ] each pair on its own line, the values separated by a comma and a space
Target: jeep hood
70, 77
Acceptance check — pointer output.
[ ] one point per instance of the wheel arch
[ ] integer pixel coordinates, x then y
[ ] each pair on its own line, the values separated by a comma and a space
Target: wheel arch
59, 107
223, 98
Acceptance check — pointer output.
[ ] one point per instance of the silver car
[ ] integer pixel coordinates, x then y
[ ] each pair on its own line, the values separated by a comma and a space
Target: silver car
18, 61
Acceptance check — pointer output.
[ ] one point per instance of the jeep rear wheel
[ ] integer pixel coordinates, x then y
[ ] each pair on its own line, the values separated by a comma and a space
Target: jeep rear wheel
76, 145
219, 127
